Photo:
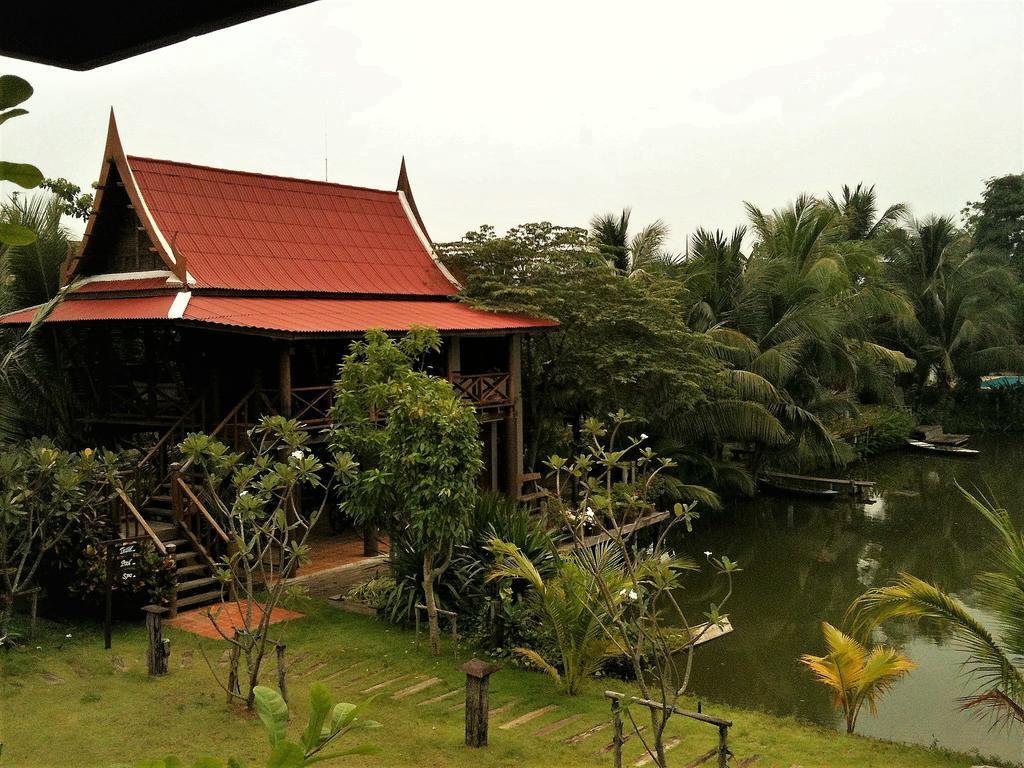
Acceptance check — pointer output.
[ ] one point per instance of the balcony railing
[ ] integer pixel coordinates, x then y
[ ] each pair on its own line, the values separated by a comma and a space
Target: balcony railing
485, 390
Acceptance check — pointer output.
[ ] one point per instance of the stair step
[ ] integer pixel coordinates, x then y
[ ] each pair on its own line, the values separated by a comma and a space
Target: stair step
190, 584
160, 497
188, 554
203, 598
197, 568
181, 544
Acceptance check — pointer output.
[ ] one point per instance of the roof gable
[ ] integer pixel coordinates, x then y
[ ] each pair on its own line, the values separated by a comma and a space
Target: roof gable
241, 231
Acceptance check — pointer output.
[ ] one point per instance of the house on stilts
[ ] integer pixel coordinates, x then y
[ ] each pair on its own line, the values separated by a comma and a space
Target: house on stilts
204, 298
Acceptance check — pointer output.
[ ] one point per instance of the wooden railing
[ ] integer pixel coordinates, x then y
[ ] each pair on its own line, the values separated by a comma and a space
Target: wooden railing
153, 470
129, 523
485, 390
196, 523
311, 406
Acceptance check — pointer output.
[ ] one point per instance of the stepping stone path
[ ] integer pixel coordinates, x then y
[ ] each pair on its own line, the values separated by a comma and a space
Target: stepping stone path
51, 679
186, 658
118, 664
421, 691
522, 719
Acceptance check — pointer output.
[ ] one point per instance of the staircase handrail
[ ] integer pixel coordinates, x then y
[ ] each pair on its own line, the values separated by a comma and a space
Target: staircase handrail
203, 511
140, 521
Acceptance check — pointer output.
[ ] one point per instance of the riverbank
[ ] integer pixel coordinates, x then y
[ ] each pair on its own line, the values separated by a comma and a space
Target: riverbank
65, 701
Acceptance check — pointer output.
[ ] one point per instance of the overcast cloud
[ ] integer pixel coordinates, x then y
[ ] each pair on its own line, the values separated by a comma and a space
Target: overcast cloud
513, 112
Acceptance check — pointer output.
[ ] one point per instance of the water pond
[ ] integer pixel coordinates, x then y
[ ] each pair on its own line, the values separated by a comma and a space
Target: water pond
805, 560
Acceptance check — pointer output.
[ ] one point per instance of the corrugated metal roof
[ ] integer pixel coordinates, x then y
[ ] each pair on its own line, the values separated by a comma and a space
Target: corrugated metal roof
351, 315
253, 232
78, 310
291, 315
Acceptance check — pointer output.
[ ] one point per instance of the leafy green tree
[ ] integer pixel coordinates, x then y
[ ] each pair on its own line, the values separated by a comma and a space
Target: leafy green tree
14, 91
621, 341
994, 648
73, 201
433, 456
997, 220
44, 492
326, 724
365, 390
257, 499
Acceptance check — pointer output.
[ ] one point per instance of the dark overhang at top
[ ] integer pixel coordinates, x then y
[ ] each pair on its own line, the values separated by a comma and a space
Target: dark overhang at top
109, 31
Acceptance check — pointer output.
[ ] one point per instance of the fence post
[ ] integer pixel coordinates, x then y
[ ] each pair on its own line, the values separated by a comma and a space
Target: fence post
172, 598
158, 649
723, 746
282, 683
478, 675
617, 736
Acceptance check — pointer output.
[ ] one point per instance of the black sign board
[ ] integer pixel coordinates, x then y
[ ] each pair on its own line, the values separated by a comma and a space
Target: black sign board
124, 565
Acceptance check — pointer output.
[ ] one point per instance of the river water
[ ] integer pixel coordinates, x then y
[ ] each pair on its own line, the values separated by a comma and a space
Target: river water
804, 561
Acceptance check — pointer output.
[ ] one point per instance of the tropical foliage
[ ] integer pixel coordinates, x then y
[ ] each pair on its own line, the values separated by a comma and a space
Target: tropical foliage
855, 675
995, 647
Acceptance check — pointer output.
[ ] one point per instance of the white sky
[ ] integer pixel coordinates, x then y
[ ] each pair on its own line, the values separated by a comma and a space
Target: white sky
527, 111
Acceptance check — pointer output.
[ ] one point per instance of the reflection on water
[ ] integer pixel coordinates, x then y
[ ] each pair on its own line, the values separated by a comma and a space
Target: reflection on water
804, 561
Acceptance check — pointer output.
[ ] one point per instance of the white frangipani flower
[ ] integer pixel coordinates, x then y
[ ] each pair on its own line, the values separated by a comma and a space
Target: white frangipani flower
243, 493
707, 553
297, 454
643, 435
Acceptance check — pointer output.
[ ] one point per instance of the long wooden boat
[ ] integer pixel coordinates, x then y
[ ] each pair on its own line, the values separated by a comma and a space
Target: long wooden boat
792, 489
950, 450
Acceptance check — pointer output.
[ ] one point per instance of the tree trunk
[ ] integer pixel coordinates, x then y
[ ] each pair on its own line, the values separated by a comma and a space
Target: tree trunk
428, 592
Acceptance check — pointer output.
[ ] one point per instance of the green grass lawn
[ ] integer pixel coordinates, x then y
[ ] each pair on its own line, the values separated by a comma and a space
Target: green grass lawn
68, 702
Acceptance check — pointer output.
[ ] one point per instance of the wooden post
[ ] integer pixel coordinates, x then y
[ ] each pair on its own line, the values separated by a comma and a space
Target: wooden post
158, 649
34, 612
478, 675
284, 371
282, 683
723, 746
177, 509
514, 420
493, 455
617, 739
454, 364
172, 599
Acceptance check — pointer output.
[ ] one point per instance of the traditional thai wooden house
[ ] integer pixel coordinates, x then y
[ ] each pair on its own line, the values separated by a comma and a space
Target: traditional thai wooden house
205, 297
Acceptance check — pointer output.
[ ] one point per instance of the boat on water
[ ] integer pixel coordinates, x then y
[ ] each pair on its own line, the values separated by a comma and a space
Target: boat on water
952, 450
792, 489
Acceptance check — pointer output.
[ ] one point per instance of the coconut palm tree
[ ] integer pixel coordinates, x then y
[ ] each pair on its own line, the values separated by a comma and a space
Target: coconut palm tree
713, 272
34, 397
963, 325
630, 254
995, 647
855, 675
858, 209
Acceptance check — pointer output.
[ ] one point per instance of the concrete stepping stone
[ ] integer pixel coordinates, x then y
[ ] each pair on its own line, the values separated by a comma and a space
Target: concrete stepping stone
224, 658
577, 738
547, 730
671, 743
186, 658
625, 737
343, 670
748, 761
501, 709
698, 761
51, 679
315, 668
523, 719
385, 684
442, 697
118, 664
412, 689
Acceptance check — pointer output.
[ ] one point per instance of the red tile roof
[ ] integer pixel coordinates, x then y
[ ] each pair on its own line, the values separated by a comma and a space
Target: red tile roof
253, 232
291, 315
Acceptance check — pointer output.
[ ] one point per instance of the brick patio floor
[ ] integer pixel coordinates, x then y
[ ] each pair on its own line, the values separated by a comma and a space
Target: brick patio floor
228, 617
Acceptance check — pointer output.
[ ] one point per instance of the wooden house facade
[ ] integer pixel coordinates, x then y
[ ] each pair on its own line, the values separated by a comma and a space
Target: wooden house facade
202, 298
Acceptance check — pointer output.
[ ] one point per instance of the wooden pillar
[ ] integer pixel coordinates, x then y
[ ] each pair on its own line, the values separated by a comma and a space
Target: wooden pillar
284, 370
454, 365
514, 420
493, 455
158, 649
478, 675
